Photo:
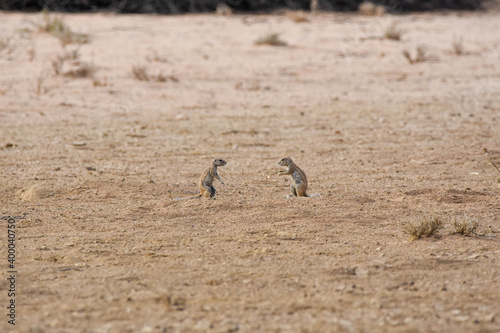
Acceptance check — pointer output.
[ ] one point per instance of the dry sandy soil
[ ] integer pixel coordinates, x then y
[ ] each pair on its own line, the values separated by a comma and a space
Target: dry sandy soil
96, 163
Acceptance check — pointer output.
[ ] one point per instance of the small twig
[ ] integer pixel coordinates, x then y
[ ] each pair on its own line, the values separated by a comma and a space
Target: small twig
69, 269
494, 165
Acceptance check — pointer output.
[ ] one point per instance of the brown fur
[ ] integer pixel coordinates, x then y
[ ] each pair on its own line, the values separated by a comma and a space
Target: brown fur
299, 179
207, 179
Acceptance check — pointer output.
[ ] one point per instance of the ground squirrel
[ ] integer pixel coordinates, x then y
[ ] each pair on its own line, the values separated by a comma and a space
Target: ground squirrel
299, 180
207, 179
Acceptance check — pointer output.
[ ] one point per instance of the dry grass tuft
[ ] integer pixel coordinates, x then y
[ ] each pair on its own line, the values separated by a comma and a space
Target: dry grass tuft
421, 55
465, 225
394, 32
100, 82
82, 70
223, 10
155, 57
31, 54
6, 45
60, 60
39, 83
297, 16
271, 39
495, 166
421, 226
458, 46
369, 8
141, 73
56, 26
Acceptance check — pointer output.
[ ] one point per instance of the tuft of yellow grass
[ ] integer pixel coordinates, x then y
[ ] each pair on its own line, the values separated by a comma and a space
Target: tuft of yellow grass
369, 8
83, 70
422, 226
465, 225
6, 45
40, 83
458, 46
297, 16
55, 25
61, 59
394, 32
272, 39
421, 55
142, 73
223, 10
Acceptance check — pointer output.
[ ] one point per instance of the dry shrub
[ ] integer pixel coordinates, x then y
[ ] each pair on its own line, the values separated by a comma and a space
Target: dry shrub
155, 57
61, 59
31, 54
56, 26
465, 225
223, 9
100, 82
422, 225
495, 166
40, 83
421, 55
297, 16
272, 39
369, 8
141, 73
394, 32
6, 45
458, 46
82, 70
79, 69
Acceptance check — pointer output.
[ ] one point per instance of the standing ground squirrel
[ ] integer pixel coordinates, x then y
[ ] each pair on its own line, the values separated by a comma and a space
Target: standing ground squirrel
299, 180
207, 180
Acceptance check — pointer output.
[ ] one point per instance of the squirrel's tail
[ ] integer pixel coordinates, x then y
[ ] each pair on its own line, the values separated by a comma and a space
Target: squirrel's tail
195, 197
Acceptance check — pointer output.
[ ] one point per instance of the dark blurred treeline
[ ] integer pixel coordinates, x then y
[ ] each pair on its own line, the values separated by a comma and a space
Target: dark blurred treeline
186, 6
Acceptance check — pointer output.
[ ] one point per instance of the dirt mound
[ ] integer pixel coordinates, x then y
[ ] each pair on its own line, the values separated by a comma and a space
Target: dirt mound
35, 192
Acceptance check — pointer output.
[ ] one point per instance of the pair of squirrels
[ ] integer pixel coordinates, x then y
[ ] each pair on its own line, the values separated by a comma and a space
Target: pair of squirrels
298, 187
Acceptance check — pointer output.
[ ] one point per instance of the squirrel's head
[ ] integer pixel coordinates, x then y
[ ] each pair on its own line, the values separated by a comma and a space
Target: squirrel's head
219, 162
285, 161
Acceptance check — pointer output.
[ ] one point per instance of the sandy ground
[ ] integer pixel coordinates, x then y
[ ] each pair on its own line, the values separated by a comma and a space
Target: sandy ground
95, 164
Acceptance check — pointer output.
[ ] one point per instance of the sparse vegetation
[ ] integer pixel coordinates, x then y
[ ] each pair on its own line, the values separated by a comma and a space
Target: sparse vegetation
465, 225
82, 70
223, 9
495, 166
39, 83
155, 57
297, 16
32, 54
394, 32
55, 25
142, 73
369, 8
420, 226
458, 46
6, 45
271, 39
58, 62
100, 82
421, 55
